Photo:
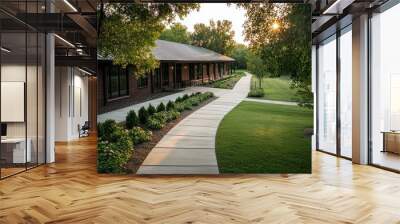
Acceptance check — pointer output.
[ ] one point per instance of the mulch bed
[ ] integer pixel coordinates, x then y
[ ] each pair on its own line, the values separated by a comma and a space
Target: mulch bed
142, 150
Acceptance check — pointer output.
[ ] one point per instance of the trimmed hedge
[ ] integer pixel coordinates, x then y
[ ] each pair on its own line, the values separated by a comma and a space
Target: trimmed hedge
131, 120
160, 107
170, 105
143, 115
256, 93
151, 110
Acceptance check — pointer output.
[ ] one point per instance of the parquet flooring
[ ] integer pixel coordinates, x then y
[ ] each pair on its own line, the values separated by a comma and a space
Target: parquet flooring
70, 191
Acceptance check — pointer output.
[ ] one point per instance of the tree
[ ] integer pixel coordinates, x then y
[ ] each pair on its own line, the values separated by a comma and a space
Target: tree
256, 66
281, 34
240, 54
176, 33
217, 36
128, 31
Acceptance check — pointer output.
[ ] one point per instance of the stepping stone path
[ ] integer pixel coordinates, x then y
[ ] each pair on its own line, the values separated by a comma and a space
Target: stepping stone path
189, 148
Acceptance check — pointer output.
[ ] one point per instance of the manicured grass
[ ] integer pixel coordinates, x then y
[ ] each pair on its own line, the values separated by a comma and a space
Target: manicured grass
275, 88
264, 138
228, 82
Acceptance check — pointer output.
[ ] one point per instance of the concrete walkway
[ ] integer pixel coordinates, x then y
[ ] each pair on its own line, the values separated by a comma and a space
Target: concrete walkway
189, 148
272, 101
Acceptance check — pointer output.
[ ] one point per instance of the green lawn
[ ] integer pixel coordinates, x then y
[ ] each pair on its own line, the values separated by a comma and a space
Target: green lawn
228, 82
264, 138
275, 88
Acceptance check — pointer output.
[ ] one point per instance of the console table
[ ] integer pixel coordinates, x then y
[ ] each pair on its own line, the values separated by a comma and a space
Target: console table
13, 150
391, 141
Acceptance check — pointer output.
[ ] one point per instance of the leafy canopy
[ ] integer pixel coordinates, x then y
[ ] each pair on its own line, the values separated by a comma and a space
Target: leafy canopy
217, 36
176, 33
240, 53
280, 34
128, 31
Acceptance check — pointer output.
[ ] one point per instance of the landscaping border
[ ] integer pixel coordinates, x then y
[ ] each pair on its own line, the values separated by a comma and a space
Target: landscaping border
143, 149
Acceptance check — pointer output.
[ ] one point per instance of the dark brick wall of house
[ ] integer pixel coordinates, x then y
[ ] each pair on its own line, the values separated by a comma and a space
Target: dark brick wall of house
140, 94
135, 94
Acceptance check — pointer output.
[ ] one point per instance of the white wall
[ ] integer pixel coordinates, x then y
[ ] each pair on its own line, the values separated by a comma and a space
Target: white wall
71, 102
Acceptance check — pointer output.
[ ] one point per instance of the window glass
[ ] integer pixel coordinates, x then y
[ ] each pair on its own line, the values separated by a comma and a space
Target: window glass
143, 81
327, 95
346, 93
118, 82
385, 89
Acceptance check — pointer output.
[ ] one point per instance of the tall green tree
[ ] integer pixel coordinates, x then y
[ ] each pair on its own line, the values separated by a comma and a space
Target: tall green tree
176, 33
281, 34
240, 53
257, 67
128, 31
217, 36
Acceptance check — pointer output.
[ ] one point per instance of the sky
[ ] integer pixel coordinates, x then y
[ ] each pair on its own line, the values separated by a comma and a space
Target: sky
217, 11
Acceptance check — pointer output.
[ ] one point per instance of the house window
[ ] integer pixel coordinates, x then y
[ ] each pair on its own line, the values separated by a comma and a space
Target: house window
165, 74
118, 82
191, 72
143, 82
157, 78
199, 71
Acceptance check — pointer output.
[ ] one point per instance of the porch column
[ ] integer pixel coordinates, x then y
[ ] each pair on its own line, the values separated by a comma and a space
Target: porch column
360, 90
174, 71
202, 73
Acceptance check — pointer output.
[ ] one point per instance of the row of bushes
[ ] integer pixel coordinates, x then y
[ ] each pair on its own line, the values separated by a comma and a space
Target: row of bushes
116, 141
228, 82
156, 117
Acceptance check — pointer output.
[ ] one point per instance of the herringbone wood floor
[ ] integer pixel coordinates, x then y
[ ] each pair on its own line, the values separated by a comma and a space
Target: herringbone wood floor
70, 191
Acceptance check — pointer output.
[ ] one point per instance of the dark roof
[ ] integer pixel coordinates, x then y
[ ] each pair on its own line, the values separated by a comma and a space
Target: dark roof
172, 51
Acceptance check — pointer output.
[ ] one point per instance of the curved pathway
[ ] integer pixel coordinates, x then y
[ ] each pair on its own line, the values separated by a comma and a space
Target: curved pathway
189, 148
272, 101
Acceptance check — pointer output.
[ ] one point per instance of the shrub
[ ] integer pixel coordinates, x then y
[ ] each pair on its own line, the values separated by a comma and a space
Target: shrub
195, 101
256, 93
139, 135
160, 107
167, 115
173, 115
180, 107
185, 97
155, 123
187, 105
179, 99
112, 156
131, 119
109, 131
170, 105
161, 116
143, 115
209, 95
151, 110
